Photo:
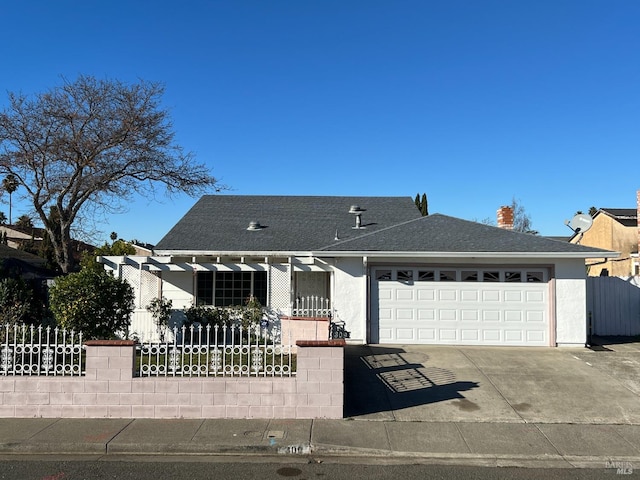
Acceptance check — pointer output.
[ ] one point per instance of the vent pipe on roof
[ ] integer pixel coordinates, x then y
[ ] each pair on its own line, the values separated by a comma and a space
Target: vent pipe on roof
254, 226
357, 211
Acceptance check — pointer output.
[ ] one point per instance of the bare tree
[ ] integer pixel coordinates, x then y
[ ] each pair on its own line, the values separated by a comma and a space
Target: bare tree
521, 219
93, 143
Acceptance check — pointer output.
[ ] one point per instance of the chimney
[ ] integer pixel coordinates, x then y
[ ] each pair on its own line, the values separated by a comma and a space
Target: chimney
505, 217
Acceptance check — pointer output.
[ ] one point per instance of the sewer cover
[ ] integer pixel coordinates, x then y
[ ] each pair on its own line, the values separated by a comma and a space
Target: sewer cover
275, 434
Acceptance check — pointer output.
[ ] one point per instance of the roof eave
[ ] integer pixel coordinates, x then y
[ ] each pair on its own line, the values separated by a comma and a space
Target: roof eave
372, 254
231, 253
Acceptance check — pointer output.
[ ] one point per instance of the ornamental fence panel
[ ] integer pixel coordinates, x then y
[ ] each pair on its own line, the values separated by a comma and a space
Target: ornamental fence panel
29, 350
216, 352
311, 306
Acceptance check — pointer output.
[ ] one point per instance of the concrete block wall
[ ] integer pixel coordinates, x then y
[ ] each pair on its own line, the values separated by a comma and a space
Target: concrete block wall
110, 390
298, 328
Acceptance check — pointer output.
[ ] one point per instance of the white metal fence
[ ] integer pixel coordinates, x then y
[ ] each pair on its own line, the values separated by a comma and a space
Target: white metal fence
613, 305
37, 350
216, 352
311, 307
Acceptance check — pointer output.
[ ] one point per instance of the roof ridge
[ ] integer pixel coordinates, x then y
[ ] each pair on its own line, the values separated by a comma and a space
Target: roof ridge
368, 234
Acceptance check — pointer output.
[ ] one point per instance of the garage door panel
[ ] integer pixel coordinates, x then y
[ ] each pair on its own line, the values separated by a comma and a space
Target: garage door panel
469, 315
473, 313
405, 334
490, 295
535, 296
404, 294
427, 334
490, 315
469, 295
426, 294
404, 314
513, 316
515, 336
468, 335
426, 314
535, 317
491, 336
535, 336
385, 293
448, 335
447, 295
447, 315
512, 296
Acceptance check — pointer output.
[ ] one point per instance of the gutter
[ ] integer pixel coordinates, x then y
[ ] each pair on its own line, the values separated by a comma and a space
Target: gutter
166, 256
369, 254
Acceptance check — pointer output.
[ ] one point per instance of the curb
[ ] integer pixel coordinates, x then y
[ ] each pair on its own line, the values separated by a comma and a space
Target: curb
326, 453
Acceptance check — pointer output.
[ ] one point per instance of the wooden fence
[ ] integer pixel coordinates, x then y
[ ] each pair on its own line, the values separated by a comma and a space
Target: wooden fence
613, 305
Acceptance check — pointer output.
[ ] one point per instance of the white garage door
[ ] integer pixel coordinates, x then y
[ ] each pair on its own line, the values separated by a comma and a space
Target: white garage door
463, 306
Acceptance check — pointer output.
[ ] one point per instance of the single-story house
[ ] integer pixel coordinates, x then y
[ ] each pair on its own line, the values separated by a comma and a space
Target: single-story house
376, 264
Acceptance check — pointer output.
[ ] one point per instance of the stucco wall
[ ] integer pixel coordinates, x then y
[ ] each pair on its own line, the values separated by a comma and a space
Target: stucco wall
349, 292
610, 234
178, 287
350, 297
570, 303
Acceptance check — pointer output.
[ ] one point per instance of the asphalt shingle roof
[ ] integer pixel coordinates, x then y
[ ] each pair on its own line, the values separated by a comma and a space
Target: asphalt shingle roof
441, 233
289, 223
218, 223
625, 216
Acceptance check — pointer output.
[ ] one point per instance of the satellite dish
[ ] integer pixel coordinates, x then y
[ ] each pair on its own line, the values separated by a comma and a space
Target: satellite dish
581, 222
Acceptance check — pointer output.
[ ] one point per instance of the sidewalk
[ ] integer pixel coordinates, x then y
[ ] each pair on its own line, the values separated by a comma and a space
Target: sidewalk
490, 444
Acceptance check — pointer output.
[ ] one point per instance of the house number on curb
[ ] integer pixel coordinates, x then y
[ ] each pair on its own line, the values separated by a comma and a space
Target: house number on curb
295, 450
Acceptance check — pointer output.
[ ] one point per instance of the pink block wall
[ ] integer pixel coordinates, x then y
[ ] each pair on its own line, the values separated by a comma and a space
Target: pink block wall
301, 328
109, 390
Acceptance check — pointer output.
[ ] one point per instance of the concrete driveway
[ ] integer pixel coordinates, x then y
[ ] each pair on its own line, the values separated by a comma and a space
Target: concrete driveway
494, 384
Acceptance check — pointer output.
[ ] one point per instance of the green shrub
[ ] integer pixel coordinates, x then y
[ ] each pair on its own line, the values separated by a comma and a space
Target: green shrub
250, 314
16, 301
160, 309
206, 316
94, 302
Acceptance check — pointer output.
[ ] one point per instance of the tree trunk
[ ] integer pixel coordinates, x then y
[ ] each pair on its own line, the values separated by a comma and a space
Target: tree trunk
60, 236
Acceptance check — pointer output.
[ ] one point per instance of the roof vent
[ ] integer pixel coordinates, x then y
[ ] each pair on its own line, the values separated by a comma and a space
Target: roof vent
254, 226
357, 211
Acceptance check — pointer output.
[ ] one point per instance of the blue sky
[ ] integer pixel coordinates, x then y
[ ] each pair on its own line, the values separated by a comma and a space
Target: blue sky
472, 102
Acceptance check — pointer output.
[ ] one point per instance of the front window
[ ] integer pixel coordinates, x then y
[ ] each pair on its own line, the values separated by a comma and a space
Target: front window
225, 289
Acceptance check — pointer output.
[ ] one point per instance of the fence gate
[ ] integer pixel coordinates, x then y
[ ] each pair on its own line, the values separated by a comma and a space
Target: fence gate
614, 305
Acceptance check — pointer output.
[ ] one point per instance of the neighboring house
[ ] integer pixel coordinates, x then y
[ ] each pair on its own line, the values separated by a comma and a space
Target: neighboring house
142, 249
24, 264
16, 236
613, 229
391, 275
19, 237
